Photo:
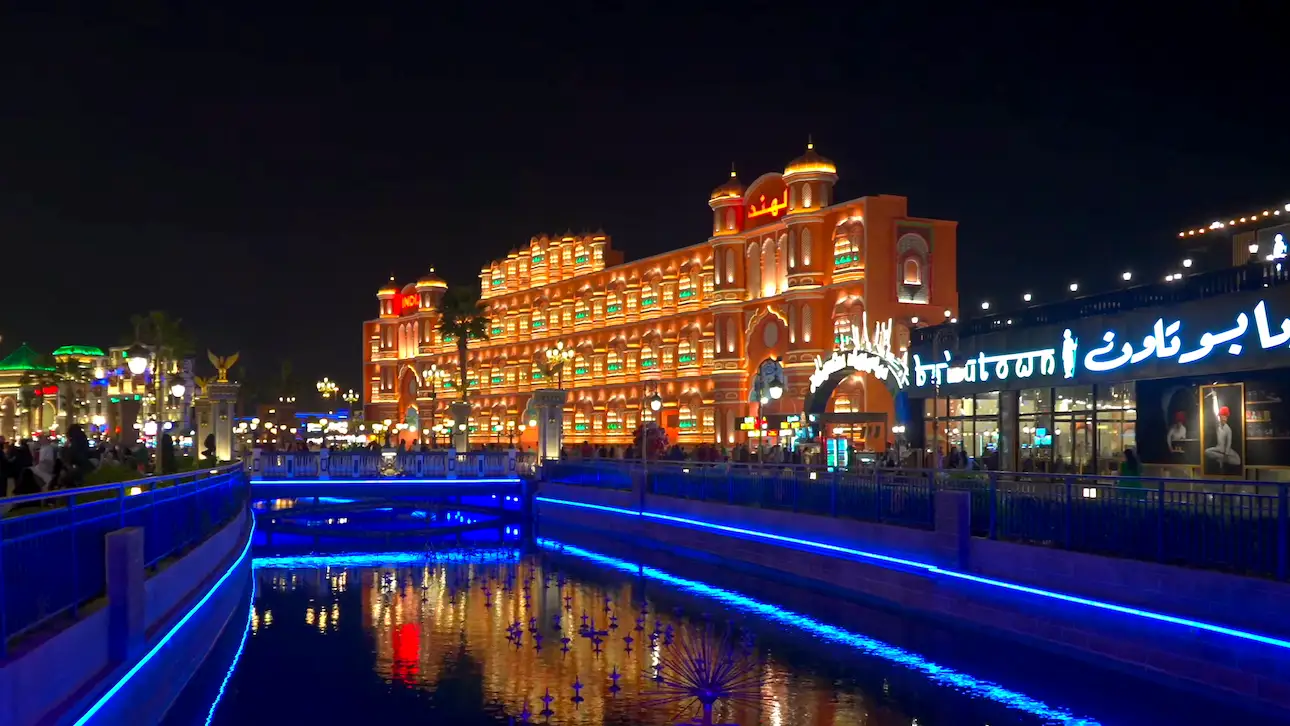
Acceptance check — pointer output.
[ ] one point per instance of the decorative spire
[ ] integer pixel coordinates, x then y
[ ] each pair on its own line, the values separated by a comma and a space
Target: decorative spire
810, 144
732, 170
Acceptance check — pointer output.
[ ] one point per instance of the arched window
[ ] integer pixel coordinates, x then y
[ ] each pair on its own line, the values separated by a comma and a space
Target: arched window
842, 332
686, 349
913, 272
730, 265
688, 418
806, 248
792, 323
648, 361
730, 218
686, 287
806, 324
649, 294
615, 416
613, 301
731, 335
769, 272
754, 270
806, 196
716, 265
614, 358
581, 257
792, 254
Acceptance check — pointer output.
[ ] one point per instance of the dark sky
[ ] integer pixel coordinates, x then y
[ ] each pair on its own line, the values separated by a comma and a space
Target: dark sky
260, 174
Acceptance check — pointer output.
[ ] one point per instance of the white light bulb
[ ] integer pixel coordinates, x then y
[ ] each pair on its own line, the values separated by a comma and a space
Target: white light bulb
1187, 262
1127, 276
985, 305
1026, 297
1074, 287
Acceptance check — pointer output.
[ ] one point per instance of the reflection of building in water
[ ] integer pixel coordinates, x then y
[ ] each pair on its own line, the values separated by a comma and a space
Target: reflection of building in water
417, 632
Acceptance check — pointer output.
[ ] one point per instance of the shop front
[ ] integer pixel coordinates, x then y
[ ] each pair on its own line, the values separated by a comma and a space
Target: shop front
1196, 389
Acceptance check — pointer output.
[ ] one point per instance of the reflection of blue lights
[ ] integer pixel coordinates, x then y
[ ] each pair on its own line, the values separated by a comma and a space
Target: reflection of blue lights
934, 570
381, 559
98, 705
387, 482
228, 676
334, 500
937, 673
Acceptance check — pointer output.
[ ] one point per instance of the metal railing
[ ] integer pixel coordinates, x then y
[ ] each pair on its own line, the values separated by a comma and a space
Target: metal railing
341, 464
52, 547
1200, 286
1240, 527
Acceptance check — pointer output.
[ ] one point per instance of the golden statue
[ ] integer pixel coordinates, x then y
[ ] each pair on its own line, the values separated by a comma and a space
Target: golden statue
222, 364
201, 384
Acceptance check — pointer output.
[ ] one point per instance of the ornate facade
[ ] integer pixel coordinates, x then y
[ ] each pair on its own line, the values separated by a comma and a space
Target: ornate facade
788, 274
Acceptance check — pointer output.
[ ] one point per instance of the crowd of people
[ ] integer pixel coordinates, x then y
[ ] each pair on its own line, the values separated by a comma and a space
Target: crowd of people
32, 466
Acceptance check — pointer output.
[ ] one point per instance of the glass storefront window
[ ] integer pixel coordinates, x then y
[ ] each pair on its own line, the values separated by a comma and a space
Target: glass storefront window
1074, 398
1035, 400
1117, 415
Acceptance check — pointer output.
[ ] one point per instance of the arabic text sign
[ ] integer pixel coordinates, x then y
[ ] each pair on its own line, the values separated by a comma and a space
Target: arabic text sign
868, 355
771, 207
1165, 340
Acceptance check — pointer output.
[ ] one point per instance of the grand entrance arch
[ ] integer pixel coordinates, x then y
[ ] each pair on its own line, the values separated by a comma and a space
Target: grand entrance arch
868, 360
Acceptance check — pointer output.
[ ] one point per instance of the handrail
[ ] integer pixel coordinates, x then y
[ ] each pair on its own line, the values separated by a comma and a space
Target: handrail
53, 558
114, 486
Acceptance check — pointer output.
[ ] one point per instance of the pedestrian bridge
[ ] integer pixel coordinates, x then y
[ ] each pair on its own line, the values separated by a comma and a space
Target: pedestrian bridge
389, 473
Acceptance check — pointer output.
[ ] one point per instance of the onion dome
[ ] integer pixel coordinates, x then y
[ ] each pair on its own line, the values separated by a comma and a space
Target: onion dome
810, 162
430, 280
731, 189
389, 288
84, 351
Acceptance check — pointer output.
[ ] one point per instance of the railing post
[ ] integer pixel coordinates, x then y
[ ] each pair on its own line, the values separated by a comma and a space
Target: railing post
1283, 514
833, 495
324, 464
994, 505
452, 463
1067, 514
1160, 520
257, 463
76, 575
4, 626
126, 594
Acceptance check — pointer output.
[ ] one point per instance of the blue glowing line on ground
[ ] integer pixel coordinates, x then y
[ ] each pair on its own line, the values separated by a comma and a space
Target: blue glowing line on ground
387, 482
382, 559
939, 674
246, 633
98, 705
935, 570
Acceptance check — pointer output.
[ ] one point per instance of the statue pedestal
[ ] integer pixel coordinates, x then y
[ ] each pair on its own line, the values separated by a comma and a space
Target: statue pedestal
460, 413
548, 404
215, 415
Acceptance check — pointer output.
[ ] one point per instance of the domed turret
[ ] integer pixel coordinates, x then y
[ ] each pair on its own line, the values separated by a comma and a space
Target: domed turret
810, 162
430, 289
730, 189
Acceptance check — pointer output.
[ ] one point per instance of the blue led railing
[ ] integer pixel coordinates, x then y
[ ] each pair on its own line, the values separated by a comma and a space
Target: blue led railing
52, 547
1239, 527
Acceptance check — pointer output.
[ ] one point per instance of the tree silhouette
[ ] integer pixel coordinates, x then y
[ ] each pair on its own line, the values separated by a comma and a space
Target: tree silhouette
462, 319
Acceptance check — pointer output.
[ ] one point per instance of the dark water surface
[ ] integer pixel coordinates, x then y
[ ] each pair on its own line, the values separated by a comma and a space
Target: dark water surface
428, 637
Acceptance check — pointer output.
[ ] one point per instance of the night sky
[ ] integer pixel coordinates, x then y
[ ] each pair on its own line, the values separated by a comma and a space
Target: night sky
260, 175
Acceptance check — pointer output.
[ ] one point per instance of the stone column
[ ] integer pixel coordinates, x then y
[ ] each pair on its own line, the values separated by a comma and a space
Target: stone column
215, 415
549, 405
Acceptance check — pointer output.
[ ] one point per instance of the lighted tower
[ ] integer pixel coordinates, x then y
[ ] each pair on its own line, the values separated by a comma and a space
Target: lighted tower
810, 179
727, 203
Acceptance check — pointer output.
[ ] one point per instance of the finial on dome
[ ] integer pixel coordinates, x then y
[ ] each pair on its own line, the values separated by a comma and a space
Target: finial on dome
732, 170
810, 144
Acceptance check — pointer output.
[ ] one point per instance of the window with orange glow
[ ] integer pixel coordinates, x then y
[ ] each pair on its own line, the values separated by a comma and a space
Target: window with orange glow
913, 272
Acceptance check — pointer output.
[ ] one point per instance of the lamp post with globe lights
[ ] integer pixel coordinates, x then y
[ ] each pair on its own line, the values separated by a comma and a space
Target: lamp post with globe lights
327, 387
431, 377
555, 359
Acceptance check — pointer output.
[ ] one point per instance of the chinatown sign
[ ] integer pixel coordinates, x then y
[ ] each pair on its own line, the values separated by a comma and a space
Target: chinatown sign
1163, 341
870, 355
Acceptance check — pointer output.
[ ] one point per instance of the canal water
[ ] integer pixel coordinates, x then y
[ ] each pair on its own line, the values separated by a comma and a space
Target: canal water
495, 626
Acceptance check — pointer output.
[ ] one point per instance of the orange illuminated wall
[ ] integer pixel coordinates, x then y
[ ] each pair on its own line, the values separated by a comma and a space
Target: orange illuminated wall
785, 274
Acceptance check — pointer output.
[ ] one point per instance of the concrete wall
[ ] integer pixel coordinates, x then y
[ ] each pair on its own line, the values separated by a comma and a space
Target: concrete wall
1211, 660
59, 679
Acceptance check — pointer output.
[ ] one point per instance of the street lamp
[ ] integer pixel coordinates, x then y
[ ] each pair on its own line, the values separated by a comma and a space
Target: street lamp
177, 390
137, 359
327, 387
655, 402
556, 358
349, 397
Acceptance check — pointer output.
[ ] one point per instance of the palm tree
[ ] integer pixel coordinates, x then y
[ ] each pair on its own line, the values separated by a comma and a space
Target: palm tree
72, 375
462, 319
169, 342
36, 380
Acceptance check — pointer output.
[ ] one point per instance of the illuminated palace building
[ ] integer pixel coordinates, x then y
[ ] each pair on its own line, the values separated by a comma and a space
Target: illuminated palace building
728, 331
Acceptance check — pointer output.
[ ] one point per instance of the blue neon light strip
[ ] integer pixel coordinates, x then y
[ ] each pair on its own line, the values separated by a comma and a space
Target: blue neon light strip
228, 676
386, 482
380, 559
939, 674
98, 705
934, 570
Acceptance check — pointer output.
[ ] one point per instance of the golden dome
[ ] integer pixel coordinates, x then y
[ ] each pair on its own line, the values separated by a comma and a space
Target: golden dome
389, 288
810, 162
730, 189
430, 280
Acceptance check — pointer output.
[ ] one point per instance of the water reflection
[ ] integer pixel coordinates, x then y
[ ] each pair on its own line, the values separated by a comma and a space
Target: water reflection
485, 642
